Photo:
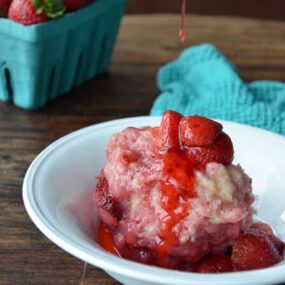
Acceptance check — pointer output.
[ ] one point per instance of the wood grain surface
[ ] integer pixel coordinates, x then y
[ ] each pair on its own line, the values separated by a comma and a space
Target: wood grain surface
265, 9
144, 44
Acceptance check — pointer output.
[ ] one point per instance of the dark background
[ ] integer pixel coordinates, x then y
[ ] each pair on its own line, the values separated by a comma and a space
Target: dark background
263, 9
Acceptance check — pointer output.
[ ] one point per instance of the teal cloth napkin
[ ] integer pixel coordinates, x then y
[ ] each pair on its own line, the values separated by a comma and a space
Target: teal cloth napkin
202, 81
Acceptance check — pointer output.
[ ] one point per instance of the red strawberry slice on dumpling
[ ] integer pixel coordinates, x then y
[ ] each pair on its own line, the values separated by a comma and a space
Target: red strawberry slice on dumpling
168, 135
221, 151
108, 208
199, 131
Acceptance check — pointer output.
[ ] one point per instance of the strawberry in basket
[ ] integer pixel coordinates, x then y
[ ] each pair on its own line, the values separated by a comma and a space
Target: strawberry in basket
29, 12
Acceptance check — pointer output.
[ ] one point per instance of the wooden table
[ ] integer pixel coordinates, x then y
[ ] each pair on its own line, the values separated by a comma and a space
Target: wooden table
145, 43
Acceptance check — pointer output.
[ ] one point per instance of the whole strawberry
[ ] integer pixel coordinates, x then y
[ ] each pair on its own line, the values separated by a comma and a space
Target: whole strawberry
30, 12
73, 5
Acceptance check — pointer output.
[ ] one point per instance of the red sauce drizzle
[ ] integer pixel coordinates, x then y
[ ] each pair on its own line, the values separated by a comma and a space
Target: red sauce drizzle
182, 33
177, 187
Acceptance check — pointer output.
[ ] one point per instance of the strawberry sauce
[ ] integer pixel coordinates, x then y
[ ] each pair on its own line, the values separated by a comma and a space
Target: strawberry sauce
182, 33
106, 240
177, 188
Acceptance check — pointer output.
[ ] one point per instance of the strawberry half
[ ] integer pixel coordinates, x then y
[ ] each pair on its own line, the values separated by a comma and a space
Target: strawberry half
254, 250
198, 131
221, 151
30, 12
215, 264
73, 5
267, 230
109, 211
168, 136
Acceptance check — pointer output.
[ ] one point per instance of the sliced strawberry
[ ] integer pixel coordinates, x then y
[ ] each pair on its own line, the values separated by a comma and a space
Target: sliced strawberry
73, 5
108, 208
215, 264
198, 131
220, 151
168, 137
254, 250
262, 227
267, 230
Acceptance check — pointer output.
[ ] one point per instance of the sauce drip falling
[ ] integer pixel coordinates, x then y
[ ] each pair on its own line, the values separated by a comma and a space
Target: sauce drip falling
182, 33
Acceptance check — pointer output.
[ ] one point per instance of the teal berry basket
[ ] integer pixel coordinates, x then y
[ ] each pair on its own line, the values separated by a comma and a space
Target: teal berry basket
40, 62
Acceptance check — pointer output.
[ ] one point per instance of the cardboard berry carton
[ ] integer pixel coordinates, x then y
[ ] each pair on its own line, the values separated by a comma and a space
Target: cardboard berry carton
40, 62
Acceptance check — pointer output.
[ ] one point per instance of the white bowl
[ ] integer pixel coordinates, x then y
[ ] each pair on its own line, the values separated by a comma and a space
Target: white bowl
58, 188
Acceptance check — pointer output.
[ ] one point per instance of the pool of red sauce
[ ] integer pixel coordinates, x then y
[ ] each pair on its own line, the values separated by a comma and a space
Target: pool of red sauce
106, 240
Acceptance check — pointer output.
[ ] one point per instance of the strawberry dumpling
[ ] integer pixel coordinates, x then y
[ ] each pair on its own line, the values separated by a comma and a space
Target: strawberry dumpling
170, 195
